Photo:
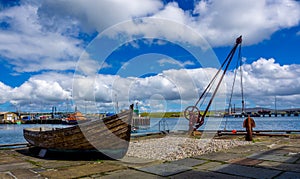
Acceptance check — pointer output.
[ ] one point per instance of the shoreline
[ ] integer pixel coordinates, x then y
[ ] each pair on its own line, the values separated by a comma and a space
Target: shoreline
60, 121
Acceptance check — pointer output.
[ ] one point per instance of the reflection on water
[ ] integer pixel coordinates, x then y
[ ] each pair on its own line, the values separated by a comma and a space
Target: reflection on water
10, 133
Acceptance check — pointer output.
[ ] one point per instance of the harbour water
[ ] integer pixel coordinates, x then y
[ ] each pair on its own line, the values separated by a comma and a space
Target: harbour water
13, 133
262, 123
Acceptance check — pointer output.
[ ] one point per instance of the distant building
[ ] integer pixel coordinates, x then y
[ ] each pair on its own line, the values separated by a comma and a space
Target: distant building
8, 117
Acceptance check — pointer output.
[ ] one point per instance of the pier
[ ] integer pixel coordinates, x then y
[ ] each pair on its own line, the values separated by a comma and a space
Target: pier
142, 122
265, 114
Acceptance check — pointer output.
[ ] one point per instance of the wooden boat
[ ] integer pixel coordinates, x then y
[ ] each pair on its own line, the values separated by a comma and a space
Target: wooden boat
110, 136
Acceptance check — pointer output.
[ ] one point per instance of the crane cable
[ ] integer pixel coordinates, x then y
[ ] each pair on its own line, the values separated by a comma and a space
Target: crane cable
209, 86
200, 121
238, 64
241, 71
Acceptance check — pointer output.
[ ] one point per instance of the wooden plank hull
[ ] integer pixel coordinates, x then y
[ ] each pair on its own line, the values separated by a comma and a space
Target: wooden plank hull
109, 136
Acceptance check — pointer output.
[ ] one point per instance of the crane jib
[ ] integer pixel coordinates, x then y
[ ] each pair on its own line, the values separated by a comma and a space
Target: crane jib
190, 112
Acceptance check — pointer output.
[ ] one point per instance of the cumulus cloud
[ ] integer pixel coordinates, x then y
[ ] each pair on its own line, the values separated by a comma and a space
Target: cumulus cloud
48, 36
181, 87
264, 79
4, 90
165, 61
219, 21
26, 42
99, 15
269, 78
44, 35
46, 89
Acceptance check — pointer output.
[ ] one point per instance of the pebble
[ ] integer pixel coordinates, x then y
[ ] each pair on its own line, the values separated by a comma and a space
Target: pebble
171, 148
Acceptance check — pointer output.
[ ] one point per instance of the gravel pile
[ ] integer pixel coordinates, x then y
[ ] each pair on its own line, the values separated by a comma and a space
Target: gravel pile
173, 148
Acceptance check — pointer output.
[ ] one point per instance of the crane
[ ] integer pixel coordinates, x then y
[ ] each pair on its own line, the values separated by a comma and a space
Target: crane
192, 113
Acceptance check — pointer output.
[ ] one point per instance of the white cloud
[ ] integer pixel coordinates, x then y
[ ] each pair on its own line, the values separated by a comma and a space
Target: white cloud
267, 68
87, 66
40, 92
220, 21
26, 42
4, 91
93, 14
44, 88
43, 36
173, 12
264, 79
166, 61
181, 86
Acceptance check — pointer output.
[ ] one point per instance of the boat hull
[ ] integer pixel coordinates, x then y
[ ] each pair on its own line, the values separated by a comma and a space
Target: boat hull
109, 136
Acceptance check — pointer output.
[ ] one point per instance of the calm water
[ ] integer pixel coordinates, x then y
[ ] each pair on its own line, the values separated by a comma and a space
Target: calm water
14, 133
262, 123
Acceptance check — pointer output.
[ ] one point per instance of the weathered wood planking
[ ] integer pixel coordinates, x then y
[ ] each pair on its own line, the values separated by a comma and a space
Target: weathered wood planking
108, 135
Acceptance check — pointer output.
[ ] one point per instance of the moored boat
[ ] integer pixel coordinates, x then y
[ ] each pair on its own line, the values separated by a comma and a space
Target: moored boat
110, 136
73, 118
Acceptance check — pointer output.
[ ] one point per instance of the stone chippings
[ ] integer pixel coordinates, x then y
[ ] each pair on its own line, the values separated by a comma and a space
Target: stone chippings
171, 148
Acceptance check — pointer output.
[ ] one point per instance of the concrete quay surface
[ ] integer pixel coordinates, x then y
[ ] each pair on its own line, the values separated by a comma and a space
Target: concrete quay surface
266, 157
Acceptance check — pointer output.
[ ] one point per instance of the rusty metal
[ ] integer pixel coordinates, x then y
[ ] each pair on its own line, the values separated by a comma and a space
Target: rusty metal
194, 109
249, 124
191, 110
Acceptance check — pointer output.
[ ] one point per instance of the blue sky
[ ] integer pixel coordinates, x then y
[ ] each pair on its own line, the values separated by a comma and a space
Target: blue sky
159, 53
